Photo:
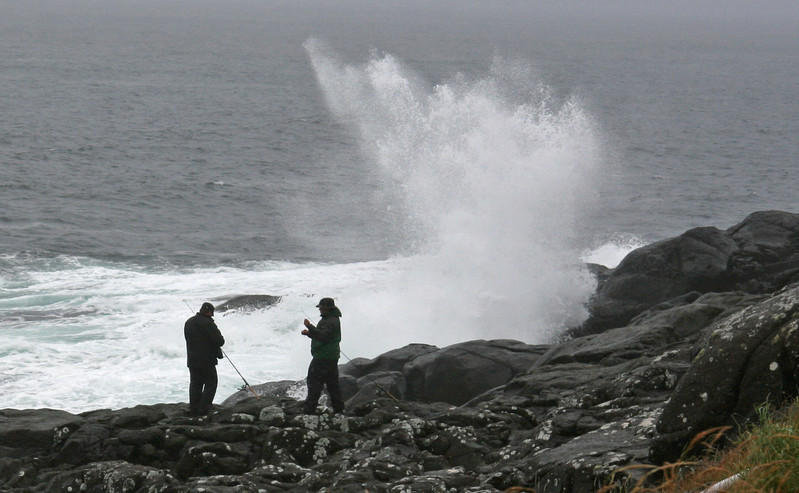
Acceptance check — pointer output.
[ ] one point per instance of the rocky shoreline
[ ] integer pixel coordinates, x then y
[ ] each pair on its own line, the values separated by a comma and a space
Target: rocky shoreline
686, 334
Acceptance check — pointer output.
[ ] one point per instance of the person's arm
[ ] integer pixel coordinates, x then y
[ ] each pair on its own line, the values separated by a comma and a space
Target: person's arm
324, 331
214, 336
218, 339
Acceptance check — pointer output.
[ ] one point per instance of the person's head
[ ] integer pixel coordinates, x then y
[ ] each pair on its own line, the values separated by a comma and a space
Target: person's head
207, 309
325, 305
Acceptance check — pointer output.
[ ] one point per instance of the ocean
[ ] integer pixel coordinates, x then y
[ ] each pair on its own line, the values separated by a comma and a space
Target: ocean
442, 169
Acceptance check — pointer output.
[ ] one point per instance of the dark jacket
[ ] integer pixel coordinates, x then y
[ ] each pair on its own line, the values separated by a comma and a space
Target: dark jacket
326, 336
204, 341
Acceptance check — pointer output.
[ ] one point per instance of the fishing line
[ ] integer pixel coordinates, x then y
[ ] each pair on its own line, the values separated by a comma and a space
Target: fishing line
246, 385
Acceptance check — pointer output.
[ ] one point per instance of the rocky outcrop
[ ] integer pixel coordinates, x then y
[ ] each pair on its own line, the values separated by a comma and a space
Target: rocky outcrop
705, 347
580, 411
758, 255
742, 363
248, 303
422, 373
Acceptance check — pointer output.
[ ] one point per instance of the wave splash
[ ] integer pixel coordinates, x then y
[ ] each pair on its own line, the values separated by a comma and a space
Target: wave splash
492, 176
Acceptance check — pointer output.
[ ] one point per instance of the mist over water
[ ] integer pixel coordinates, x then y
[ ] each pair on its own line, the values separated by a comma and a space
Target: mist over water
492, 175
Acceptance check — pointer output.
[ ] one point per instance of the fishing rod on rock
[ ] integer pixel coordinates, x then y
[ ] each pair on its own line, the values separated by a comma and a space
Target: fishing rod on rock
246, 384
362, 370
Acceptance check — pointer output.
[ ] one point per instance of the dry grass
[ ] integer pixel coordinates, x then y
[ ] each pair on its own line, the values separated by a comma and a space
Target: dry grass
763, 458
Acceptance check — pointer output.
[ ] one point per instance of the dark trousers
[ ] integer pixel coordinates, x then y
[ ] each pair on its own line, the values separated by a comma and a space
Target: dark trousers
202, 388
321, 373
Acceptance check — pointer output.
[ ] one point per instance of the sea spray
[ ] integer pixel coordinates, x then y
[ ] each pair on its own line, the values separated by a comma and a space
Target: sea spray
610, 250
489, 177
492, 175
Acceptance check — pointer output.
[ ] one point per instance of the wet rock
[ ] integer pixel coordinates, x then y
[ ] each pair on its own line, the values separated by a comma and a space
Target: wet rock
25, 431
248, 303
269, 390
758, 255
460, 372
694, 261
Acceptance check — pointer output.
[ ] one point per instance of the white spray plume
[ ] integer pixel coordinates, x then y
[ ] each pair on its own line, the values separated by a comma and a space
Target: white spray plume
492, 175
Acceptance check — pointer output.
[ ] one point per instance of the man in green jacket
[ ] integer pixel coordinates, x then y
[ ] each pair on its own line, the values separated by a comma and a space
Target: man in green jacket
323, 371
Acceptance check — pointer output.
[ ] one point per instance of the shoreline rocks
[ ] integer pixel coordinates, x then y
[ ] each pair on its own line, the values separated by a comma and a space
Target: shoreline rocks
758, 255
686, 334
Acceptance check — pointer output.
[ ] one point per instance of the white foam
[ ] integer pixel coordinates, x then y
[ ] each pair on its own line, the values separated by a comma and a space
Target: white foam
611, 252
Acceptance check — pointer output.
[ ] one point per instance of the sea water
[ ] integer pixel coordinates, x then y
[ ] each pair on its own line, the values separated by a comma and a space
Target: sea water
443, 171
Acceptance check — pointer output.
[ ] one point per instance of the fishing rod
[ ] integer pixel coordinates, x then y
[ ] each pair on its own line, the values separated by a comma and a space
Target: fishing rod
246, 384
361, 370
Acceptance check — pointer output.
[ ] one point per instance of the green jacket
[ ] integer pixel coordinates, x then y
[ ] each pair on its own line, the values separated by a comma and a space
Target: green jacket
326, 336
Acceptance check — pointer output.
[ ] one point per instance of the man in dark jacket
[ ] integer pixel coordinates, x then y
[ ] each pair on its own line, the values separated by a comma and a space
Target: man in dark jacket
204, 344
323, 371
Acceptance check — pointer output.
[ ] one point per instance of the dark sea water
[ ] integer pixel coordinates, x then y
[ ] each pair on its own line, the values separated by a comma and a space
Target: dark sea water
441, 168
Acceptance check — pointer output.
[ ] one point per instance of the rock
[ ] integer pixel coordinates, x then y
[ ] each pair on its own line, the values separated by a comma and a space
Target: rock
394, 360
272, 416
420, 372
768, 244
248, 303
215, 458
26, 431
85, 444
758, 255
745, 360
269, 390
690, 314
460, 372
138, 416
111, 476
140, 437
694, 261
617, 345
285, 473
425, 373
389, 384
592, 457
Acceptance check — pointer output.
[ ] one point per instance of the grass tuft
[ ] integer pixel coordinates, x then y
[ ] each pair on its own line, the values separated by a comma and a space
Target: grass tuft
764, 457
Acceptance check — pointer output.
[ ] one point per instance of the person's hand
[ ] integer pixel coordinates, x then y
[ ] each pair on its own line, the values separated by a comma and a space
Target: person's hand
307, 323
305, 332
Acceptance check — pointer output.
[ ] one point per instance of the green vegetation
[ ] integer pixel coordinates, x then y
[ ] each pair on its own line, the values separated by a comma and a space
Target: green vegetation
764, 457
